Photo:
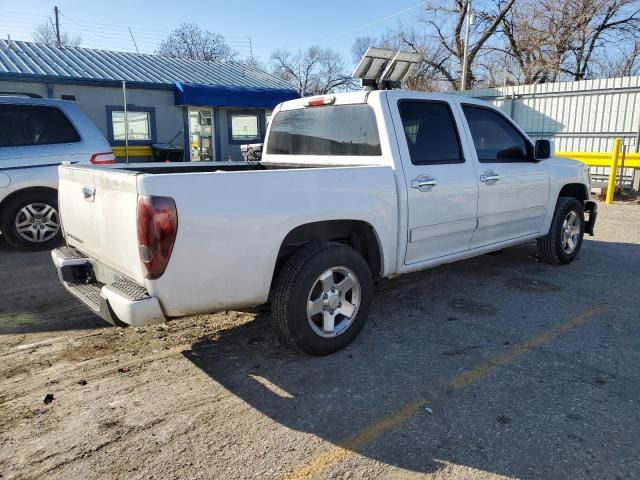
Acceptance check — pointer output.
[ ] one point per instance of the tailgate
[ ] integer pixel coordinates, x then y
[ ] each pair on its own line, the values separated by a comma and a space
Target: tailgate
98, 210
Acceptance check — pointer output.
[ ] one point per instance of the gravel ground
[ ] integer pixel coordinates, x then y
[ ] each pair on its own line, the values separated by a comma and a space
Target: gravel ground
495, 367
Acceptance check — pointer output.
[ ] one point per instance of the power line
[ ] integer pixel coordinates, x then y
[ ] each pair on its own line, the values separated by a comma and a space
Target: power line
120, 42
109, 36
27, 19
374, 22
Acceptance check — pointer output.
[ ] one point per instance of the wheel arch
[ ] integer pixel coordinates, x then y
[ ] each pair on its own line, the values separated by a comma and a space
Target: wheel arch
26, 191
575, 190
358, 234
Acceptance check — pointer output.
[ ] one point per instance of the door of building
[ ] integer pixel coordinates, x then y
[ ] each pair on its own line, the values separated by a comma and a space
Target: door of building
201, 134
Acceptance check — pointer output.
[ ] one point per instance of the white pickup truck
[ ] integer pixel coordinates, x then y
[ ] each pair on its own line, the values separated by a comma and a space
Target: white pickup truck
351, 188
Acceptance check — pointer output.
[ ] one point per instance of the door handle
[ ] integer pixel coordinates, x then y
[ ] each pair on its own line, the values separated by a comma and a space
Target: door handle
89, 193
489, 177
423, 183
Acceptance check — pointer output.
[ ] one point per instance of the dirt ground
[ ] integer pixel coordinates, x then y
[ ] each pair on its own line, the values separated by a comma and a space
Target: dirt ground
495, 367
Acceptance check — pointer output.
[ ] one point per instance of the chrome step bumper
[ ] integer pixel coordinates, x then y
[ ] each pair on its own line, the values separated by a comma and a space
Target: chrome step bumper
120, 303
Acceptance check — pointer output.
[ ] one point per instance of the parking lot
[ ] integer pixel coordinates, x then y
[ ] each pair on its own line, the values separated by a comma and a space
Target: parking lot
496, 367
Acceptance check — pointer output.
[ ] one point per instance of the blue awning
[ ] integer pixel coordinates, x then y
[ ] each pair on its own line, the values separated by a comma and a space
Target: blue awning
224, 96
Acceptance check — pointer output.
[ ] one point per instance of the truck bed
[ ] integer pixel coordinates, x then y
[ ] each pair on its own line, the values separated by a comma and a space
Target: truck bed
232, 219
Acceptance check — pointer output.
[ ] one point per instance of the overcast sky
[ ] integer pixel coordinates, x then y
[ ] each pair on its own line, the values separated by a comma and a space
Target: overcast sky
270, 24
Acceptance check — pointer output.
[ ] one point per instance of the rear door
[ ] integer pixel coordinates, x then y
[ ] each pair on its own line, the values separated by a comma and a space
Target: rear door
98, 207
442, 191
513, 187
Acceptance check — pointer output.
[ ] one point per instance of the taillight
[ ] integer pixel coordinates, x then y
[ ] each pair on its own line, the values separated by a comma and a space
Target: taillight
157, 221
103, 158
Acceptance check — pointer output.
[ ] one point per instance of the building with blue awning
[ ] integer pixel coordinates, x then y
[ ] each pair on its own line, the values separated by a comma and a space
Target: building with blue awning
208, 108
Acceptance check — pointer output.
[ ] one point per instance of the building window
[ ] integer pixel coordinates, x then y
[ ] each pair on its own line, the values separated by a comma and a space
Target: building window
141, 125
245, 126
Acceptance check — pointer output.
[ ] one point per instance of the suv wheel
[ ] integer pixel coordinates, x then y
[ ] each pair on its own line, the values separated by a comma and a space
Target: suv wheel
322, 298
31, 221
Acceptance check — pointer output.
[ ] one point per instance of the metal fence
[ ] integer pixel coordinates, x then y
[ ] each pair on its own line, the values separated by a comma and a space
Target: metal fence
582, 116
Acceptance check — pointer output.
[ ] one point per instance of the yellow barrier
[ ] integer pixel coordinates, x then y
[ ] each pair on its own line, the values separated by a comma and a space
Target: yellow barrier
607, 159
631, 160
613, 170
134, 151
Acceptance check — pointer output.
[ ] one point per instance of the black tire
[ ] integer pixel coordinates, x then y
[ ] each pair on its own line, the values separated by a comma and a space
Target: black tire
294, 285
13, 207
550, 247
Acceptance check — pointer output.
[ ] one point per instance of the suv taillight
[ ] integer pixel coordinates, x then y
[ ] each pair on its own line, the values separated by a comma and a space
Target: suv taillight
157, 222
103, 158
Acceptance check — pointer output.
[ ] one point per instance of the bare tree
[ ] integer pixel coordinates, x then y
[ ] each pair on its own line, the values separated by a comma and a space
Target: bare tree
625, 64
255, 62
601, 22
360, 47
533, 51
445, 26
46, 33
190, 42
438, 37
313, 71
630, 64
555, 39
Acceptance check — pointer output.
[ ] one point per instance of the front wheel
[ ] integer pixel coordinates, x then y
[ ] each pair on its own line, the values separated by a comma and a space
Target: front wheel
564, 240
31, 221
322, 298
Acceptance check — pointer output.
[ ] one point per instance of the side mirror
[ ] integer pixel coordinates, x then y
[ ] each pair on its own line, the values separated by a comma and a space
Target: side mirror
542, 149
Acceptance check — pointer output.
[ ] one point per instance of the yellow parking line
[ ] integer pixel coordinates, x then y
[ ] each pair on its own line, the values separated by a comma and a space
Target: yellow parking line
376, 429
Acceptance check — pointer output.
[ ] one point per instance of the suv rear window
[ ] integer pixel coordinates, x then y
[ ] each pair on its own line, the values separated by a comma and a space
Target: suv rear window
24, 125
336, 130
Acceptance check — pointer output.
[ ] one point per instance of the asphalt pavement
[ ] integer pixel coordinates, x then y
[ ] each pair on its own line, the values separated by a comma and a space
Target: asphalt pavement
495, 367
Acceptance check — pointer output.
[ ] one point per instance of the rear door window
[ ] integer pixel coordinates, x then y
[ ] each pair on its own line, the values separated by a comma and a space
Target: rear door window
431, 133
329, 130
24, 125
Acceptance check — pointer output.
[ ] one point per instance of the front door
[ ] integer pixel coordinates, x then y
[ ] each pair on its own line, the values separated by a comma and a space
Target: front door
201, 133
442, 191
513, 187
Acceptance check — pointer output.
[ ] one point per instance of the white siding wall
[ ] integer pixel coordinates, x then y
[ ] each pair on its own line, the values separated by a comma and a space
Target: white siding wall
578, 116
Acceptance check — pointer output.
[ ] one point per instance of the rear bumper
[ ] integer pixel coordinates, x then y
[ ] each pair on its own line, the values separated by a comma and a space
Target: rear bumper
592, 208
121, 303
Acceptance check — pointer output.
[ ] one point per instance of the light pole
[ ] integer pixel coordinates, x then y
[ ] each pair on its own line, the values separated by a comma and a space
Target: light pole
465, 66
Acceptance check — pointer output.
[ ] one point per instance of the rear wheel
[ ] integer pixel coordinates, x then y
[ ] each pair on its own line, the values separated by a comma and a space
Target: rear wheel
31, 221
564, 240
322, 298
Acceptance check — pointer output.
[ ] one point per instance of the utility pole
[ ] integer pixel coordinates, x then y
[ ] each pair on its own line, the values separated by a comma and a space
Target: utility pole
465, 61
250, 49
56, 12
126, 120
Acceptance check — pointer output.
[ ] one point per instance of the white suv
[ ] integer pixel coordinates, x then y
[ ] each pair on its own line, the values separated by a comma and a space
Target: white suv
36, 136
